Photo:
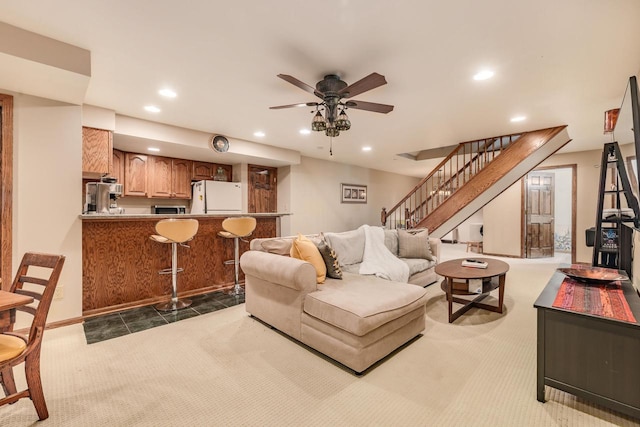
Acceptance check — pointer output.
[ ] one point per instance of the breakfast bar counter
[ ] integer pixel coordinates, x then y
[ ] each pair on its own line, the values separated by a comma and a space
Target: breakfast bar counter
120, 263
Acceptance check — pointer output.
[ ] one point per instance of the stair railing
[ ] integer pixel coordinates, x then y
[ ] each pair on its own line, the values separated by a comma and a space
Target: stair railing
462, 164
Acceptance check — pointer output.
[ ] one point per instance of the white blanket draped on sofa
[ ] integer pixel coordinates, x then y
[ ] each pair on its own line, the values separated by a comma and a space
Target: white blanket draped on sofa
378, 260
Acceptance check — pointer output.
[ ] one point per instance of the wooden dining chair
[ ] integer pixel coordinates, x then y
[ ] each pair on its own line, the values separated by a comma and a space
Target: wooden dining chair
16, 348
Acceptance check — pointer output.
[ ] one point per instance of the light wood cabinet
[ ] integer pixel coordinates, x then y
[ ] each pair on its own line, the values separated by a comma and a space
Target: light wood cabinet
203, 170
97, 147
117, 166
181, 178
169, 178
135, 174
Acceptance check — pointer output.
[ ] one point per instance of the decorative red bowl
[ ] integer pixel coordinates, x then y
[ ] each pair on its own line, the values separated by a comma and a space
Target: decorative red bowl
593, 274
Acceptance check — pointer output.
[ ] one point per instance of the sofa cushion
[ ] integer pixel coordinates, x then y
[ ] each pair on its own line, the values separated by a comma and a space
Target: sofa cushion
349, 245
360, 304
391, 241
417, 265
330, 260
414, 245
277, 246
304, 249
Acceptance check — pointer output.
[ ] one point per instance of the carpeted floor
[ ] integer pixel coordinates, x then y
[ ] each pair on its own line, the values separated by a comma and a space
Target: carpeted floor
227, 369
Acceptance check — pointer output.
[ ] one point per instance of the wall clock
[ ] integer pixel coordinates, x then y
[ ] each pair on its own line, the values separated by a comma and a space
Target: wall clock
220, 144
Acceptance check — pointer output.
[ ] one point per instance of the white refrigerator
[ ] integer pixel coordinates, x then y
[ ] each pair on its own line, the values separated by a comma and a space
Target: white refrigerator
216, 197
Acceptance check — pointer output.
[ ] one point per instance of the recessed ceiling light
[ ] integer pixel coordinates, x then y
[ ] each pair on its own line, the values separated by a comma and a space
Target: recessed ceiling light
154, 149
366, 148
167, 93
305, 131
483, 75
259, 134
518, 119
152, 109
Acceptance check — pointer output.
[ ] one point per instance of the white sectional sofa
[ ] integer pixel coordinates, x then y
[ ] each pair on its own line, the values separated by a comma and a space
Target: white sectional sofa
356, 320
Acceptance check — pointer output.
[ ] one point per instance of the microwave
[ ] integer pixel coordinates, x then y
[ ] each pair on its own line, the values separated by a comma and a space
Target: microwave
168, 210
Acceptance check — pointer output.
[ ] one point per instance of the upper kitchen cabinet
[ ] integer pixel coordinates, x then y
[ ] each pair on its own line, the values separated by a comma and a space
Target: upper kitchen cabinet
97, 147
203, 170
117, 166
216, 172
169, 178
135, 174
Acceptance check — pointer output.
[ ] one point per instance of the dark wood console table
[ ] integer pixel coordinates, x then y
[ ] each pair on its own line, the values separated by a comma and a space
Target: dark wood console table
592, 357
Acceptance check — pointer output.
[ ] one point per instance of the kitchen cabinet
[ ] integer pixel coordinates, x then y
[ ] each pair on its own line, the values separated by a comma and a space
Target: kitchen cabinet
205, 170
169, 178
97, 147
181, 178
117, 166
135, 174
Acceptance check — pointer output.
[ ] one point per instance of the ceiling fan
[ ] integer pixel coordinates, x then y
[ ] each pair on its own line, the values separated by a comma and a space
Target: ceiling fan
332, 90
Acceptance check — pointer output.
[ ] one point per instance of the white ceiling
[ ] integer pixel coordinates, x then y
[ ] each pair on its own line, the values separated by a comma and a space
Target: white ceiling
556, 62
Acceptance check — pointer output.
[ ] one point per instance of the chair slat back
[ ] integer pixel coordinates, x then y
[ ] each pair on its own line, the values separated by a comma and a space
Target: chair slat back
54, 264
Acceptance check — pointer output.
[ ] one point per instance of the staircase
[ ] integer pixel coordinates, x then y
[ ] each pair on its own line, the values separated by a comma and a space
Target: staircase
472, 175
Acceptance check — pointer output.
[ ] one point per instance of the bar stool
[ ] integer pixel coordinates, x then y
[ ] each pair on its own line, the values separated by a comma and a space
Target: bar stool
237, 228
176, 232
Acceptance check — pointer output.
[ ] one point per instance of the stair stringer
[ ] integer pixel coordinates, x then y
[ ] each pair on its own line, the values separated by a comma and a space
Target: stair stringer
440, 227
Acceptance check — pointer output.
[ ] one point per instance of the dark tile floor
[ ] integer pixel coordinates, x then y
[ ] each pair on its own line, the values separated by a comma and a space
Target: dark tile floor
126, 322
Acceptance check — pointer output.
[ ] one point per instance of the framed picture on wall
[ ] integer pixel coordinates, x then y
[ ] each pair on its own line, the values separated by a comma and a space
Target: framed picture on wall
353, 193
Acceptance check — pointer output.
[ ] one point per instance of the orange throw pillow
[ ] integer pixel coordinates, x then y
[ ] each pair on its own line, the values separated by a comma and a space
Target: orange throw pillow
304, 249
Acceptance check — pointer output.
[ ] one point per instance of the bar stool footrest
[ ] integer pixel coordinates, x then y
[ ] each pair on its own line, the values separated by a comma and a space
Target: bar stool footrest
169, 271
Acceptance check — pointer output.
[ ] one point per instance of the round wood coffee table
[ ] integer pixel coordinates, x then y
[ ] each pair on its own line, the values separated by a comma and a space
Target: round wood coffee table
456, 282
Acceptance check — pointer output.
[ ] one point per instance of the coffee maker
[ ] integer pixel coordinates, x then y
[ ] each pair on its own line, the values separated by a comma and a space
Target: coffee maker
101, 197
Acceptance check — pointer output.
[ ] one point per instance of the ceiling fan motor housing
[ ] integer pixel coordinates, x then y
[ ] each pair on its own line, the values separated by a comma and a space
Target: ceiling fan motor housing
331, 85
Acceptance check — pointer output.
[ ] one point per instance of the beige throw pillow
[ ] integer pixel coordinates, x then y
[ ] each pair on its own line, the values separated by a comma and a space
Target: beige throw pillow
412, 245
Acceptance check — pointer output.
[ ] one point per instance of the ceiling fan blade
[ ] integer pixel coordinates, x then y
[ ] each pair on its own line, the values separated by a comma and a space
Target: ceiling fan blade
302, 104
372, 81
369, 106
300, 84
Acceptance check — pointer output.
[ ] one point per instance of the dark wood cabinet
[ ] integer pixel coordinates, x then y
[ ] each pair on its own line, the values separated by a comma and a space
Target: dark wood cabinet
593, 357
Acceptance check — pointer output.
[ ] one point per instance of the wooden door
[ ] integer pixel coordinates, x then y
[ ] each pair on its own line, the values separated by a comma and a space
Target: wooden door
262, 189
539, 215
6, 186
181, 178
135, 174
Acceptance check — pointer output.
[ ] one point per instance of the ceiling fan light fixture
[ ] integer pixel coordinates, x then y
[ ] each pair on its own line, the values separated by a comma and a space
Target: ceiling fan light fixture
332, 131
343, 122
319, 123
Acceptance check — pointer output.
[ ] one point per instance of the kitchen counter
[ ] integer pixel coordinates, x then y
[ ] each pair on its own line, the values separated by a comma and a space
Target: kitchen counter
115, 217
120, 263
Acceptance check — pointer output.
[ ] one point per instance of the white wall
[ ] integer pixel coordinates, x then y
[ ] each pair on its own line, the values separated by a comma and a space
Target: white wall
46, 191
314, 190
502, 232
502, 219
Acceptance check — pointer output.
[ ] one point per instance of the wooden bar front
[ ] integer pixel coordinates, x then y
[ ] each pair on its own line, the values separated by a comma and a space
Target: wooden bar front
120, 263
